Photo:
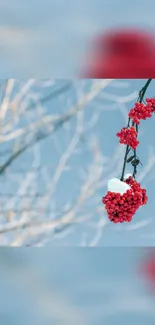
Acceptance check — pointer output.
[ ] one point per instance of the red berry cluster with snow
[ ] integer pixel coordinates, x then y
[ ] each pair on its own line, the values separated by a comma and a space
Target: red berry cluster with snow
128, 136
123, 199
125, 196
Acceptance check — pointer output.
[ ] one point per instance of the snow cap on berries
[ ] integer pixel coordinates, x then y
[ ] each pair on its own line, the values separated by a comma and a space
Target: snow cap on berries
117, 186
127, 176
123, 199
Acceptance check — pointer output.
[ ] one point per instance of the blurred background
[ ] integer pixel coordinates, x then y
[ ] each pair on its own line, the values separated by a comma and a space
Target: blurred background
48, 38
96, 286
58, 149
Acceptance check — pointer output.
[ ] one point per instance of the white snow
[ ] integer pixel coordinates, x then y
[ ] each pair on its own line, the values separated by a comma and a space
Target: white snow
127, 176
117, 186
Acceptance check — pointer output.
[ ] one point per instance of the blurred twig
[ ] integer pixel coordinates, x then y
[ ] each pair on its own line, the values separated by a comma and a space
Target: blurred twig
57, 122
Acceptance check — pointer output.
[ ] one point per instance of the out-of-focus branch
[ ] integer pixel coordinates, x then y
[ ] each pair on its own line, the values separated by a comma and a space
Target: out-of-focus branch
84, 100
87, 191
13, 157
19, 106
5, 103
57, 122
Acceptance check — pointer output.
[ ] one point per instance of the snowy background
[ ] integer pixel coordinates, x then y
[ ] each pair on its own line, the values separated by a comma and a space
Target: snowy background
51, 37
58, 150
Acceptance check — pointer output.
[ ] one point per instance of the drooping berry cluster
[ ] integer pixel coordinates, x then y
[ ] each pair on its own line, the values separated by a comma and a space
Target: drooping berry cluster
128, 136
142, 111
121, 208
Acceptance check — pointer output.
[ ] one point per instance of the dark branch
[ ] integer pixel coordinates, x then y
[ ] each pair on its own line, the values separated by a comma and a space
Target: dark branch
140, 100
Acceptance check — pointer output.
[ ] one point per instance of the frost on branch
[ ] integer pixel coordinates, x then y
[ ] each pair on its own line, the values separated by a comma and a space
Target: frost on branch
50, 169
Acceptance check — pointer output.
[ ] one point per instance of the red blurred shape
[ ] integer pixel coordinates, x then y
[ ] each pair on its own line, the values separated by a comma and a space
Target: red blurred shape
147, 269
122, 53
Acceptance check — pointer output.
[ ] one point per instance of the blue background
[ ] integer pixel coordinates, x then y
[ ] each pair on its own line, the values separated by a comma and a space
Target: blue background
96, 286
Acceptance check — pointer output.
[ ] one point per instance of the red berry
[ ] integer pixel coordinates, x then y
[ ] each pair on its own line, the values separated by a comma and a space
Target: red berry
128, 136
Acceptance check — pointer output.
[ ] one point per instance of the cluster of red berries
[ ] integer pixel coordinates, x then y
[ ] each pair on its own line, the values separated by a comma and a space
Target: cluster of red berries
128, 136
136, 187
142, 111
151, 102
122, 207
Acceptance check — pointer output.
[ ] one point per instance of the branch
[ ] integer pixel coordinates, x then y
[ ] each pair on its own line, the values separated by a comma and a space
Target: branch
140, 99
57, 123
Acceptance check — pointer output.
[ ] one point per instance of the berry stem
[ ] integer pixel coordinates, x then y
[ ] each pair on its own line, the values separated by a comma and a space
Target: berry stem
140, 100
